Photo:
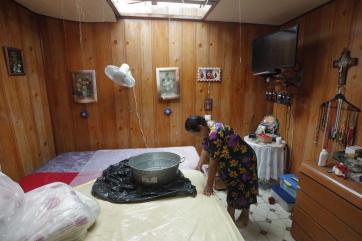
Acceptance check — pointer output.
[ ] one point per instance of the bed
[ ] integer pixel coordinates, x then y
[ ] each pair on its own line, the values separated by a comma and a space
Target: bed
193, 219
75, 168
200, 218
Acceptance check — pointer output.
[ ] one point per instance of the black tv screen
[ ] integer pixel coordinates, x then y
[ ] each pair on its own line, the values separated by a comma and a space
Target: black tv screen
275, 51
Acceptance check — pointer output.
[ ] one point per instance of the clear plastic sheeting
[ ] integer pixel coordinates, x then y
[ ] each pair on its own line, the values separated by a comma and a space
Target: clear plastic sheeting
188, 219
54, 212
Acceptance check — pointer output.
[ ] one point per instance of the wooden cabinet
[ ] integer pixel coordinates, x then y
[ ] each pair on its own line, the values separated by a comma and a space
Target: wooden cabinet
327, 207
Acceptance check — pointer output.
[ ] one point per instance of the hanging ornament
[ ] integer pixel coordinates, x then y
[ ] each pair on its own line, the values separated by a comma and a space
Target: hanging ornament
84, 113
167, 111
208, 104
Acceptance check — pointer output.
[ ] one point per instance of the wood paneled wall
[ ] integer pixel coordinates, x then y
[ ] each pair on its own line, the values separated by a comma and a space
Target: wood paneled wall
26, 136
146, 45
323, 35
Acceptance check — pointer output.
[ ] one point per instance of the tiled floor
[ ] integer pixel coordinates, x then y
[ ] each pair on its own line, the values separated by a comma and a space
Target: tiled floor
267, 222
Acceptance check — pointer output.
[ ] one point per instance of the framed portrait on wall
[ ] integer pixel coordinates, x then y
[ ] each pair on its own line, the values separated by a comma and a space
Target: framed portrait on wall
84, 86
209, 74
168, 86
14, 61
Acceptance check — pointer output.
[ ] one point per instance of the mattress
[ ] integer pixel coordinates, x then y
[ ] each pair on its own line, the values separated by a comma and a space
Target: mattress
67, 162
188, 219
104, 158
76, 168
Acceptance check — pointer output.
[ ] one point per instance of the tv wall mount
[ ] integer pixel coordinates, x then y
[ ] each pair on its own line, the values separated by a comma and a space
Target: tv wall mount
288, 76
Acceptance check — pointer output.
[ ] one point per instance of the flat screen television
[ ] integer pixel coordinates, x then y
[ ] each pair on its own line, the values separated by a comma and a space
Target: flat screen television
275, 51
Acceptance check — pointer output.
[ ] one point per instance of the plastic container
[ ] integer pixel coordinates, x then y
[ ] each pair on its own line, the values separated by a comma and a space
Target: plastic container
289, 183
323, 156
283, 198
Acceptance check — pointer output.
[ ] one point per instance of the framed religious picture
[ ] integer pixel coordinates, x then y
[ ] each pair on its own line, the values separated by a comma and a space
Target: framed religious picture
168, 87
14, 61
84, 86
209, 74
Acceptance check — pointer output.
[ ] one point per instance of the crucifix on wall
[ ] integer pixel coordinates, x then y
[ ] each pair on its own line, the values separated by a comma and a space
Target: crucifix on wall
343, 64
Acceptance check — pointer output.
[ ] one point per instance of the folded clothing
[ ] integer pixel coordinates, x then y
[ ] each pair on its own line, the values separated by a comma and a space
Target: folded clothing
36, 180
117, 185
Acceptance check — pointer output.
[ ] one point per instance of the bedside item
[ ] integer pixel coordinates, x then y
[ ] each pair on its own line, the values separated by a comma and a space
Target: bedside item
265, 138
340, 170
323, 156
353, 151
269, 125
339, 156
252, 136
278, 140
207, 117
353, 165
357, 177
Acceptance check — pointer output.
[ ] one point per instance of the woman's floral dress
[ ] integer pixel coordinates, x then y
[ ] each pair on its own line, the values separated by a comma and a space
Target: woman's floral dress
236, 164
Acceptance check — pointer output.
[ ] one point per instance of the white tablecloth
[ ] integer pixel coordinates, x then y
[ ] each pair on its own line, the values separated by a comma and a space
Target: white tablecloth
271, 159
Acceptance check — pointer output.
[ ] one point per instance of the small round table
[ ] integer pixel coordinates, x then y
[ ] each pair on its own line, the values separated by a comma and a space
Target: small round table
271, 159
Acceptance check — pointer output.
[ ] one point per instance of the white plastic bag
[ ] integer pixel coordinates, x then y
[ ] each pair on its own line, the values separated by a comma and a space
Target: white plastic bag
12, 201
53, 212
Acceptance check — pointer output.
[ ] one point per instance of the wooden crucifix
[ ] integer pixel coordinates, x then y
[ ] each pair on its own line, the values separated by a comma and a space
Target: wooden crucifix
343, 64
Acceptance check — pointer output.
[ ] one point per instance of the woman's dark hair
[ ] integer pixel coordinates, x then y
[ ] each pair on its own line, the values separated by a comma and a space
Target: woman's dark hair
192, 123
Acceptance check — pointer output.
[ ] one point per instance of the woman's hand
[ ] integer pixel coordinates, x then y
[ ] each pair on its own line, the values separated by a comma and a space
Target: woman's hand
208, 191
203, 159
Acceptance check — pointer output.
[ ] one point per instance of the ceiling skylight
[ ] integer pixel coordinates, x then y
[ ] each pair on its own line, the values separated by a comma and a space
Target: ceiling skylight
180, 9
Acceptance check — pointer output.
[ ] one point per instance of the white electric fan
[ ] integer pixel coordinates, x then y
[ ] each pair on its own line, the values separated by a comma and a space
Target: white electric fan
123, 76
120, 75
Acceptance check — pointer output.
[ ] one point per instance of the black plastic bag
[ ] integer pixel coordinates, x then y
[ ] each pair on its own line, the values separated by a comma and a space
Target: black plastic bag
117, 185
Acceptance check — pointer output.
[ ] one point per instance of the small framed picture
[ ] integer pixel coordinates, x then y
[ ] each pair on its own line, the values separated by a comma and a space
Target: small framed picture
84, 86
168, 87
14, 61
209, 74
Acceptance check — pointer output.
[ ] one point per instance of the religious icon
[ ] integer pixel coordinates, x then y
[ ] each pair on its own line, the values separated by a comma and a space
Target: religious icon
14, 61
343, 64
168, 83
84, 86
209, 74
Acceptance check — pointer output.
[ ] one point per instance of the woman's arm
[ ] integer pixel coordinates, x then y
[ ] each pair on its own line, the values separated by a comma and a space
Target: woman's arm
203, 159
208, 190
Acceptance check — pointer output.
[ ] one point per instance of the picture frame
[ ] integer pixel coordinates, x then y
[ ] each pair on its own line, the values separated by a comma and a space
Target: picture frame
84, 86
14, 59
209, 74
168, 87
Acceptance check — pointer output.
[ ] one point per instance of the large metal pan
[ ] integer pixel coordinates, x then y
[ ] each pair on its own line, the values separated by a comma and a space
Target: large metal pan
154, 168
